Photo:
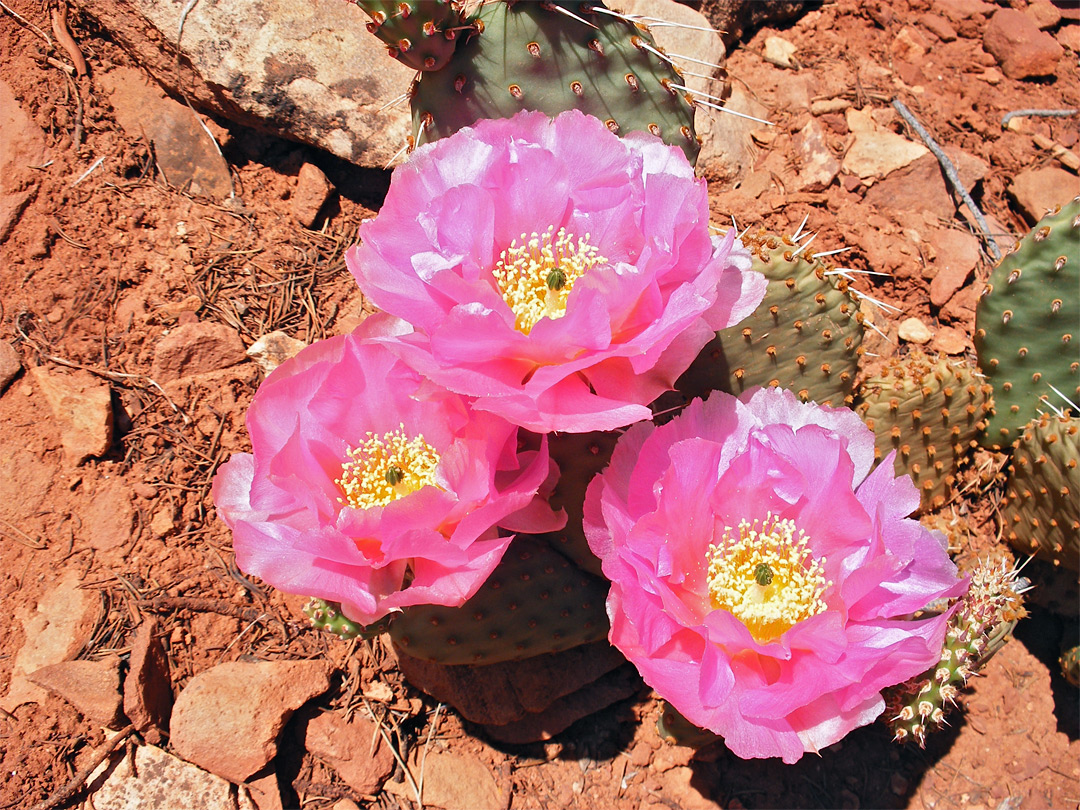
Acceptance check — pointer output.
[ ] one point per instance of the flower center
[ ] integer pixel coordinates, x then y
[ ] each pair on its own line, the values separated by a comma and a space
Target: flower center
535, 278
767, 577
384, 468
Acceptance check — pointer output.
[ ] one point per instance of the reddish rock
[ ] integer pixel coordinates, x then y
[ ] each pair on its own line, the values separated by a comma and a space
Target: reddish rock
1022, 50
818, 165
961, 307
456, 781
938, 26
195, 348
957, 255
354, 749
1044, 14
92, 687
909, 45
184, 151
921, 186
958, 10
948, 340
1037, 191
81, 405
108, 518
10, 364
265, 791
55, 632
22, 146
1068, 36
227, 719
310, 195
148, 697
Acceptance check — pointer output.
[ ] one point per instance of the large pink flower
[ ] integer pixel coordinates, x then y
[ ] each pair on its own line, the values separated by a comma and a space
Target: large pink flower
761, 579
370, 487
562, 275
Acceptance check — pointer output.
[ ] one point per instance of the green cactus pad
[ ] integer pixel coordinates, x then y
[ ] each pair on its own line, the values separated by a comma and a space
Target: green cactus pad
1040, 512
1026, 325
327, 616
806, 335
532, 56
421, 34
534, 602
930, 412
1070, 665
580, 457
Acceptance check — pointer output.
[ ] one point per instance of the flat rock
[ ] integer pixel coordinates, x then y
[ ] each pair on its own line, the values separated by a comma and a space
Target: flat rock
22, 146
157, 779
92, 687
1044, 14
148, 696
186, 154
948, 340
1068, 36
195, 348
938, 26
780, 52
228, 718
818, 166
108, 516
10, 364
914, 331
81, 405
1022, 50
497, 694
1038, 191
311, 73
921, 185
273, 349
958, 10
354, 749
312, 191
877, 152
957, 254
52, 633
264, 790
455, 781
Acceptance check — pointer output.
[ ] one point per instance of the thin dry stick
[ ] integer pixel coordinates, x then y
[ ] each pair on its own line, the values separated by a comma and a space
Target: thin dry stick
1036, 113
79, 779
950, 172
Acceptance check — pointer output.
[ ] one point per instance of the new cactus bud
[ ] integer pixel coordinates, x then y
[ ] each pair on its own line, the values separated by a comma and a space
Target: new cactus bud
980, 626
327, 616
930, 412
1026, 325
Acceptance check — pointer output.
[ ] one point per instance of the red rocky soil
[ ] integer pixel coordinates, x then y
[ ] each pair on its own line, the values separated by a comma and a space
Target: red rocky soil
127, 304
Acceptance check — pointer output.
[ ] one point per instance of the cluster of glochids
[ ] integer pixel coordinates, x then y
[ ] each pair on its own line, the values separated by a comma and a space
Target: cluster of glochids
982, 623
495, 59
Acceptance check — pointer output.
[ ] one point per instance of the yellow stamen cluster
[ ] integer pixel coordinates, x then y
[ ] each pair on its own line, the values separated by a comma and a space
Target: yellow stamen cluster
535, 278
384, 468
767, 577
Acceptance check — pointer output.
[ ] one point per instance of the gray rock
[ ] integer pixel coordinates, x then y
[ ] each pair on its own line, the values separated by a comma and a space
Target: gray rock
309, 72
157, 779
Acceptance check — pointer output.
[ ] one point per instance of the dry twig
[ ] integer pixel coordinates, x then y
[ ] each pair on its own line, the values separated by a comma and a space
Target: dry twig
79, 779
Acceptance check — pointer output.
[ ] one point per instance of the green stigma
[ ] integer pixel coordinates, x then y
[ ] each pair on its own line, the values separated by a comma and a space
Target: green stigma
763, 574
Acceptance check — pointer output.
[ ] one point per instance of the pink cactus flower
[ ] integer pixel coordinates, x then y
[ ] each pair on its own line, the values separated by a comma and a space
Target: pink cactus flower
368, 486
562, 275
762, 577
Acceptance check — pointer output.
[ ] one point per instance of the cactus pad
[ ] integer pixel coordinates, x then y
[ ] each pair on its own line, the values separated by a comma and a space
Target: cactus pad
553, 57
1041, 509
1026, 325
534, 602
421, 34
806, 335
930, 412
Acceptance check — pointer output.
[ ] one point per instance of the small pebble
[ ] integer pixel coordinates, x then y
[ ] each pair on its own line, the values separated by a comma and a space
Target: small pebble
915, 331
